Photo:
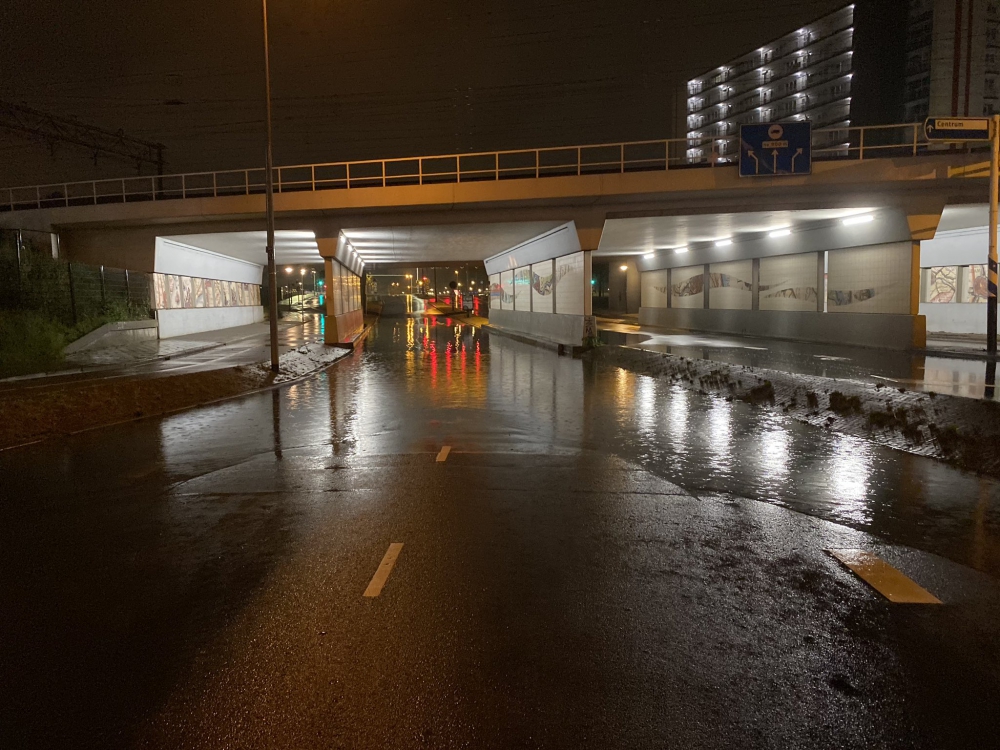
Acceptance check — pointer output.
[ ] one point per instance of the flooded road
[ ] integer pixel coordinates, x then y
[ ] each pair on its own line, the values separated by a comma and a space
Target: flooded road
196, 580
421, 383
940, 370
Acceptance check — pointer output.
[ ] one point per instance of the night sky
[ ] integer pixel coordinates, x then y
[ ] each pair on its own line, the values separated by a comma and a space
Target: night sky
362, 79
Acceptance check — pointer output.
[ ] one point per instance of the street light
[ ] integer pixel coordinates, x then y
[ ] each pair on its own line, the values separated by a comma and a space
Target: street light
272, 274
302, 293
624, 269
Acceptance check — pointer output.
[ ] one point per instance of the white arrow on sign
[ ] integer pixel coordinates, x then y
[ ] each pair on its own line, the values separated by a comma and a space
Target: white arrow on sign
797, 153
756, 161
775, 155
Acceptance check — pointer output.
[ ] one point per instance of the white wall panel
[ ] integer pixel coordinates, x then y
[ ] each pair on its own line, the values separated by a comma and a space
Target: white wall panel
495, 291
522, 289
570, 285
687, 287
184, 260
732, 285
653, 289
870, 279
788, 282
542, 286
198, 320
507, 290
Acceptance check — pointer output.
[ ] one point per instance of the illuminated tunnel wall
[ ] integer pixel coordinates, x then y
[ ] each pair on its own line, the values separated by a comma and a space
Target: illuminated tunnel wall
541, 288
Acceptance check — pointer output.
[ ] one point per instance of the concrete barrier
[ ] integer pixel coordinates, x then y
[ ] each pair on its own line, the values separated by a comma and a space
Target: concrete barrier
549, 327
883, 331
114, 334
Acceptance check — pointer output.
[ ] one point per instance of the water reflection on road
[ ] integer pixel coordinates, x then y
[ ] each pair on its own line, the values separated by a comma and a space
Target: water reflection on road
421, 383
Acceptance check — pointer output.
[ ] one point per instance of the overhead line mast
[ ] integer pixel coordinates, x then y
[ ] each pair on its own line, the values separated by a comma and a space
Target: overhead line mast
53, 128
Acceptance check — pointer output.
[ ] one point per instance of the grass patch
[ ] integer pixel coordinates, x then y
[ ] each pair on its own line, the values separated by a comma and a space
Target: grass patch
32, 342
29, 343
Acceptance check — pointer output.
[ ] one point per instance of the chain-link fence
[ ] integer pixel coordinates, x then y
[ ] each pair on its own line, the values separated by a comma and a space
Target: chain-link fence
31, 279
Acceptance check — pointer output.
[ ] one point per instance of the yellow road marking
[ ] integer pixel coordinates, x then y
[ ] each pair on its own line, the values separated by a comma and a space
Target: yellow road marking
384, 569
884, 578
443, 455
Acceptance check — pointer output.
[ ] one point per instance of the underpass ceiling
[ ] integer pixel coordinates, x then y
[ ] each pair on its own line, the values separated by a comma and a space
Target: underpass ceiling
646, 234
442, 244
290, 247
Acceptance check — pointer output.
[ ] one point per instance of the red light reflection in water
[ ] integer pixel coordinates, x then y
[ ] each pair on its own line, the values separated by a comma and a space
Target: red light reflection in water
434, 365
479, 358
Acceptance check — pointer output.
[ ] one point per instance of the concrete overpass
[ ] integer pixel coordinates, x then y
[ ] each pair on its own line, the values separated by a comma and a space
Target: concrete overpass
630, 200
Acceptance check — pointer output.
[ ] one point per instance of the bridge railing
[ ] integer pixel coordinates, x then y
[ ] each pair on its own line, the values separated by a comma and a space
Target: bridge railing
858, 143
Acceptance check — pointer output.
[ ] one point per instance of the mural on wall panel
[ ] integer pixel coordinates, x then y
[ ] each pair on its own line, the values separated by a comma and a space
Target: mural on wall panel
198, 292
977, 284
870, 279
337, 290
172, 292
653, 286
788, 282
942, 284
160, 298
495, 291
569, 284
542, 285
522, 289
731, 285
187, 298
506, 290
687, 287
343, 290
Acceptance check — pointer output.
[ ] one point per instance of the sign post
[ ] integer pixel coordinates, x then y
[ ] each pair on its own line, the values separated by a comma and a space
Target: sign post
991, 301
957, 130
775, 148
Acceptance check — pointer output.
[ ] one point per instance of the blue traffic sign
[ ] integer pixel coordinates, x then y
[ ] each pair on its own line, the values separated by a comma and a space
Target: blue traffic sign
957, 129
776, 148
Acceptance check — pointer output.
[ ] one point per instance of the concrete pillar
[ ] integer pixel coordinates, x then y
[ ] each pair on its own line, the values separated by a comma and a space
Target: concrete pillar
755, 284
330, 320
706, 285
915, 278
820, 281
588, 273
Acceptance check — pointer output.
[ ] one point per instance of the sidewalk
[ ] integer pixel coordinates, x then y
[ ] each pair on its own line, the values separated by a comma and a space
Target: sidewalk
208, 350
955, 365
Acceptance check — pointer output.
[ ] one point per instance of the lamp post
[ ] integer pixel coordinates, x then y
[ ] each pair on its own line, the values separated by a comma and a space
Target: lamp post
624, 269
272, 274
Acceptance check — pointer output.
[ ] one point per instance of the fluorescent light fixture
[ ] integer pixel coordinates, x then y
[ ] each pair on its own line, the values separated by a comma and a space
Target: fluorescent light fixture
780, 233
862, 219
648, 256
681, 249
725, 242
294, 235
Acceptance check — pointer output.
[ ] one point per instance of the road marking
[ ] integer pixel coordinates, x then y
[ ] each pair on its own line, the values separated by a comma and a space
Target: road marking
884, 578
384, 569
443, 455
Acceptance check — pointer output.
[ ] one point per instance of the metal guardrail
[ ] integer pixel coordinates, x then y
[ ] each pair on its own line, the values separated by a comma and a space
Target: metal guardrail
636, 156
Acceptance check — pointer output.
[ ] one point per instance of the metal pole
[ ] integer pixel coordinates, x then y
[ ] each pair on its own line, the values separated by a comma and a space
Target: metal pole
991, 302
272, 275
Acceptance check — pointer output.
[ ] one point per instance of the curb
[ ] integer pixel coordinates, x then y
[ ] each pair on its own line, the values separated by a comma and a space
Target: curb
169, 412
561, 349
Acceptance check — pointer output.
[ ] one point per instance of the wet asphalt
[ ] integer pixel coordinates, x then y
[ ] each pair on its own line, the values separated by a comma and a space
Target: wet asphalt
960, 370
603, 560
